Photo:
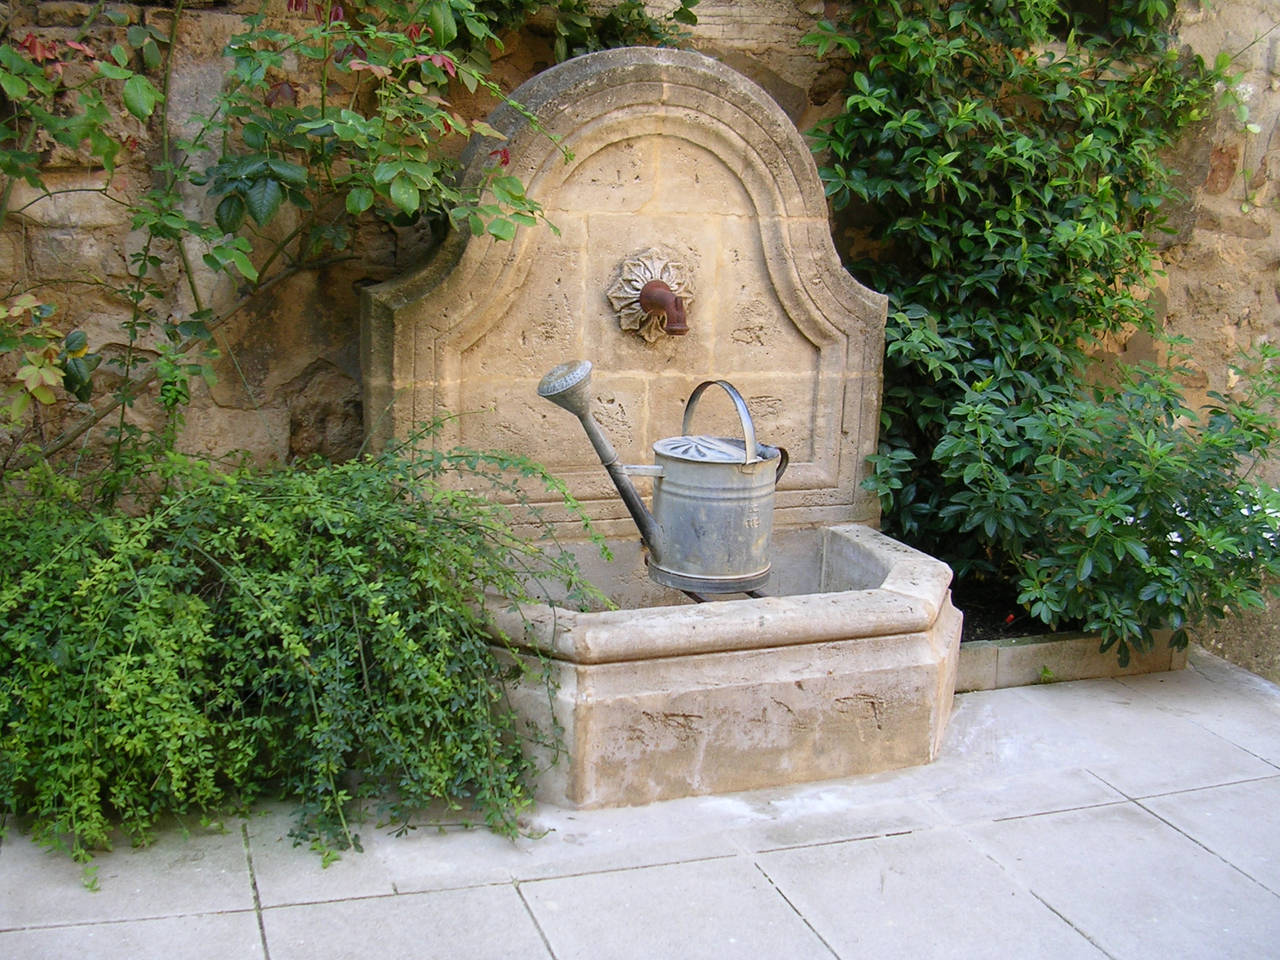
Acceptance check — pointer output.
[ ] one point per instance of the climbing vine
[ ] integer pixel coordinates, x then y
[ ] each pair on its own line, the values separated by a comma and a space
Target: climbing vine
329, 117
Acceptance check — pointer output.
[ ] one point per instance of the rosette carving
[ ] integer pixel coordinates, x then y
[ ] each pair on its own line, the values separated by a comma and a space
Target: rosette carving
624, 293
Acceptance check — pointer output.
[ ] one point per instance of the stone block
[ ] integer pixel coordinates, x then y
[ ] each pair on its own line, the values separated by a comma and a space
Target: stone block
12, 262
1056, 657
263, 433
616, 178
74, 200
977, 666
74, 253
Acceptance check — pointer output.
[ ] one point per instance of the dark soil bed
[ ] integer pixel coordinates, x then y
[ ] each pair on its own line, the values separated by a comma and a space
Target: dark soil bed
991, 612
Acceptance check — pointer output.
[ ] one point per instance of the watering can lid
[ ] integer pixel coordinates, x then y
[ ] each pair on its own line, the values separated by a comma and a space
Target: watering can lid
703, 449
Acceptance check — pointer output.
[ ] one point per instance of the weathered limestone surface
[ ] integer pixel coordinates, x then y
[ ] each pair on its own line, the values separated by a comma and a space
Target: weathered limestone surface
680, 700
1224, 266
670, 151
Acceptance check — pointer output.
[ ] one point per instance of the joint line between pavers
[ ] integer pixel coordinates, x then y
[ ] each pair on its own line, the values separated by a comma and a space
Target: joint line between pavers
391, 895
533, 917
116, 921
1049, 813
638, 866
1061, 916
1240, 870
1207, 786
253, 886
1014, 879
832, 843
803, 918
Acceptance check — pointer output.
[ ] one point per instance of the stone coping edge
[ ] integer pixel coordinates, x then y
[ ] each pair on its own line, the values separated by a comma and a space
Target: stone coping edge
912, 593
1050, 658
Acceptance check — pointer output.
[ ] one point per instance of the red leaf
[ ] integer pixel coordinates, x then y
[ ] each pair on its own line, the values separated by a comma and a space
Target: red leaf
37, 49
445, 63
281, 92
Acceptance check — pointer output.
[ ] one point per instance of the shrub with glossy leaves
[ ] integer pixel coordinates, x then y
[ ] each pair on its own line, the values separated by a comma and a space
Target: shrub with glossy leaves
1002, 168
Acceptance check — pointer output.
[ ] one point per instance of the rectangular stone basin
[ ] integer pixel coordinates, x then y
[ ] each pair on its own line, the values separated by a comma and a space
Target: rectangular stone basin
849, 667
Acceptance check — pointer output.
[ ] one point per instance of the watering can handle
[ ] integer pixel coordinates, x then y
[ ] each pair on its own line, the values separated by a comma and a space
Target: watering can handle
748, 428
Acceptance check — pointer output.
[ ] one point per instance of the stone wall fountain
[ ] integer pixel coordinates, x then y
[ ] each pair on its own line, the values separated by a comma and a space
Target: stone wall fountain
693, 244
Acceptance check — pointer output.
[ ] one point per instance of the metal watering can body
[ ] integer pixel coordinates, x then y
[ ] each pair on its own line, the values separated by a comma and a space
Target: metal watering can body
711, 527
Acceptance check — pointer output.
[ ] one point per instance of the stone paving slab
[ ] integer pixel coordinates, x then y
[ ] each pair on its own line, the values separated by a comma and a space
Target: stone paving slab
1124, 818
1142, 748
225, 936
204, 871
930, 894
1239, 822
480, 923
1135, 886
719, 909
1226, 701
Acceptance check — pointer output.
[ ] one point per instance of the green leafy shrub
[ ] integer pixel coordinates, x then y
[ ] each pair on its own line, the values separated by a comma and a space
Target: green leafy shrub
319, 632
1003, 169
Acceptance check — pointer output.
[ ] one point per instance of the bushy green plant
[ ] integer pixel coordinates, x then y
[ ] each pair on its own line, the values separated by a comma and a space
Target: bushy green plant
1003, 165
319, 632
1129, 511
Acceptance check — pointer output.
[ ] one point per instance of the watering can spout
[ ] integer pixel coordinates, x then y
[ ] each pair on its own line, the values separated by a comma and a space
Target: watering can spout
569, 386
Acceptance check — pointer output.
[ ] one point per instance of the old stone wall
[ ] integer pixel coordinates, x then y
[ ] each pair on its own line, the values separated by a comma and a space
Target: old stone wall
1223, 284
287, 375
288, 372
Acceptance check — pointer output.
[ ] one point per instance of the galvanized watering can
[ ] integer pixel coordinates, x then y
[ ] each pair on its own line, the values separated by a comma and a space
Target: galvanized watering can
712, 518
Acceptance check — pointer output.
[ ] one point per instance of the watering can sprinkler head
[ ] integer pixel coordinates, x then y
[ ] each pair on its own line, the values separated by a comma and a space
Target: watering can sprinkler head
568, 386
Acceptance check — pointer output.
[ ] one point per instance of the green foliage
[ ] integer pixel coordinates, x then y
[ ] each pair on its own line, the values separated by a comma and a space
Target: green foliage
319, 632
1005, 164
1127, 511
627, 23
334, 115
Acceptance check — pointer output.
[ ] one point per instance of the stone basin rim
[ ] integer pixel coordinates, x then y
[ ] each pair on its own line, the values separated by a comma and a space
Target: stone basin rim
911, 594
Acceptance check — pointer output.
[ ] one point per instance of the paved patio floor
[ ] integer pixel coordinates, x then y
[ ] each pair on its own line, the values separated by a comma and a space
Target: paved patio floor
1104, 818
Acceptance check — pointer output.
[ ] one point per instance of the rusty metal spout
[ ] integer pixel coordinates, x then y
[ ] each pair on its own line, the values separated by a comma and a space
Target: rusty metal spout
658, 298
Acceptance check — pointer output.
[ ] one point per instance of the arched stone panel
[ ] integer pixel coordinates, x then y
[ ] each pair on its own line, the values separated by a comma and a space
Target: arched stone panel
630, 151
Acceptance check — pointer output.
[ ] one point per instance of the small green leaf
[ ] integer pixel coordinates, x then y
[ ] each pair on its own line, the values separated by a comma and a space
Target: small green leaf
287, 172
112, 72
404, 194
140, 97
263, 199
15, 88
444, 29
230, 213
485, 130
359, 200
243, 264
501, 228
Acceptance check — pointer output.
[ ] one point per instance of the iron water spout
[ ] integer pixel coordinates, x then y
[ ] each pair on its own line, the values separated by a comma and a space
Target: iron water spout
658, 298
